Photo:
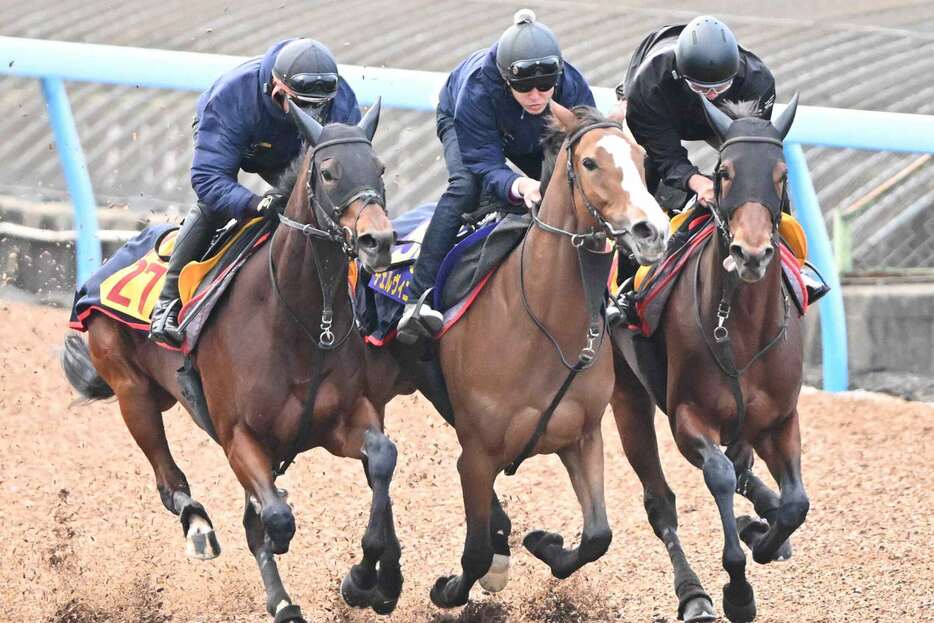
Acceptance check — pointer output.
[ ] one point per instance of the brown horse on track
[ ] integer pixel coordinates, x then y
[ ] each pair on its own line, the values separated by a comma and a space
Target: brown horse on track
261, 357
502, 361
728, 309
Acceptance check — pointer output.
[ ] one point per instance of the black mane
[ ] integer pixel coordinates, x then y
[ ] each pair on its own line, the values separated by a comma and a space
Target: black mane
554, 137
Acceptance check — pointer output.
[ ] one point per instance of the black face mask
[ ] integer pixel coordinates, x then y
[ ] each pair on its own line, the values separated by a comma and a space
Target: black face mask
357, 174
752, 148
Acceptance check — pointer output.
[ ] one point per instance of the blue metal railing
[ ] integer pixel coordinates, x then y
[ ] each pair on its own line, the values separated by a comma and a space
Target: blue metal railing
54, 62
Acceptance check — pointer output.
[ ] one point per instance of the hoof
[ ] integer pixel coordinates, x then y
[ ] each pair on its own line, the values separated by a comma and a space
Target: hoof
439, 593
289, 614
353, 595
497, 577
201, 541
381, 604
738, 612
699, 610
280, 526
542, 543
751, 530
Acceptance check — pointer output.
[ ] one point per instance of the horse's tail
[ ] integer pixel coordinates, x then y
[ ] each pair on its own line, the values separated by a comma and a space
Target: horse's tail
76, 360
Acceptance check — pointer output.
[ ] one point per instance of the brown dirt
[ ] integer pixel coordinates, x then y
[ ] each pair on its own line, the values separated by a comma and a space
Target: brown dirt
86, 539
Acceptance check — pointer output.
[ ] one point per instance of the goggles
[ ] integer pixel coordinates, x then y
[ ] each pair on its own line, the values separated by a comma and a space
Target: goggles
704, 89
545, 83
311, 88
537, 72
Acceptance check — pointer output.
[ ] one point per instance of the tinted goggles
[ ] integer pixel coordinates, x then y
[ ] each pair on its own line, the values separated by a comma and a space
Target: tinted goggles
536, 67
544, 83
703, 89
312, 87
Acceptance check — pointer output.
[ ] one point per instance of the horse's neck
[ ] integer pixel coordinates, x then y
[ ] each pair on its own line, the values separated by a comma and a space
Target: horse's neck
552, 269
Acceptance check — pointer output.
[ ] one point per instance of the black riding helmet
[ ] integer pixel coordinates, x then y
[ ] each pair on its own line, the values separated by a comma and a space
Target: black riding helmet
707, 53
308, 70
528, 54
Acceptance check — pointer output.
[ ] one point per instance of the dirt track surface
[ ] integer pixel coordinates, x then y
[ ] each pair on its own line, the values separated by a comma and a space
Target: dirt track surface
86, 540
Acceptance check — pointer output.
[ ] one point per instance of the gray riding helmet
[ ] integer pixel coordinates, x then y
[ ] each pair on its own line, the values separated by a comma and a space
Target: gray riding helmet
526, 40
707, 53
309, 69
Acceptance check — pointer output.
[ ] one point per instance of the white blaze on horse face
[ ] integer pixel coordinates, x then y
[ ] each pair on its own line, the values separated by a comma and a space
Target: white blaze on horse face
620, 150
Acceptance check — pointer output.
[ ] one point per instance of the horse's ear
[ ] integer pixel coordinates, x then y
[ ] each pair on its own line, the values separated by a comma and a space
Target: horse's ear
719, 120
565, 118
370, 120
306, 124
783, 124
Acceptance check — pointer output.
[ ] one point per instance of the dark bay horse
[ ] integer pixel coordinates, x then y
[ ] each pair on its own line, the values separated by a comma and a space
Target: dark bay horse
732, 348
506, 358
285, 333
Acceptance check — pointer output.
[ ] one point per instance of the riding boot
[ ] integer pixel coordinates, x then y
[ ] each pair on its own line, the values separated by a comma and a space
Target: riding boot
623, 307
419, 320
194, 236
814, 283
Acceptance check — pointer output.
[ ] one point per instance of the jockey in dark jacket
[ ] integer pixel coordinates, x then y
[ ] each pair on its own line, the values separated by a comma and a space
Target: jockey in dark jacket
242, 124
668, 74
493, 108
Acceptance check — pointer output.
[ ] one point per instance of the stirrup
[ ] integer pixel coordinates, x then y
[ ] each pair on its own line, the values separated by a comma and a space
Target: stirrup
163, 328
814, 283
419, 320
625, 304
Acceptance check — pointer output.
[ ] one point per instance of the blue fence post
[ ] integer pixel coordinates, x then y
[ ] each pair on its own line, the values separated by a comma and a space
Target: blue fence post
832, 315
87, 244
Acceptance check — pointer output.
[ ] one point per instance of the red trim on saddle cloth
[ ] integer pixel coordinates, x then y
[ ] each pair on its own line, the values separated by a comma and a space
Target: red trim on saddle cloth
377, 342
458, 310
139, 326
659, 287
184, 310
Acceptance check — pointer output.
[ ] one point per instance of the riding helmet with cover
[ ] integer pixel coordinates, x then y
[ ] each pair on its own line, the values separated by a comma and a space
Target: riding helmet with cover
528, 53
308, 70
707, 53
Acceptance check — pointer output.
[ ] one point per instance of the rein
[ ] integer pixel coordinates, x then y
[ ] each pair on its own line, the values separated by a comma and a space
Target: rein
721, 349
594, 268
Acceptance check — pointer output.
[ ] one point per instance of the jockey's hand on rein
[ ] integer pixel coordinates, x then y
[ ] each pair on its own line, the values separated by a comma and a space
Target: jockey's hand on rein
271, 204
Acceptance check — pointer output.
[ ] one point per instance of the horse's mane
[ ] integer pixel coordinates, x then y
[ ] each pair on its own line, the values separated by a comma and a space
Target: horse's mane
289, 177
741, 109
554, 137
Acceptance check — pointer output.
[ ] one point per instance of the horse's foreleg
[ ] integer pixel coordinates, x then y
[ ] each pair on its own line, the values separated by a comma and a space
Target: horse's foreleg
739, 602
584, 462
477, 473
635, 413
764, 501
497, 577
363, 587
143, 417
276, 596
781, 451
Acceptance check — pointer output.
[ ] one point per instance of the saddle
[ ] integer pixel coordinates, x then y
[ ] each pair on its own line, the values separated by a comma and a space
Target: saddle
481, 246
127, 286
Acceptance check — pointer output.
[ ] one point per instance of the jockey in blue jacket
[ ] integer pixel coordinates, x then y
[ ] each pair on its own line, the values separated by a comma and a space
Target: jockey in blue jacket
242, 124
493, 108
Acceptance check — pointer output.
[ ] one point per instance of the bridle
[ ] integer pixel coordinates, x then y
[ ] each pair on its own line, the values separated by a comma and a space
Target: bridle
721, 349
330, 269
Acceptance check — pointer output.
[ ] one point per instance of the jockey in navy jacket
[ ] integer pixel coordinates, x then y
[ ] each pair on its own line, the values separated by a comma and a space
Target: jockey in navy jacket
238, 126
491, 126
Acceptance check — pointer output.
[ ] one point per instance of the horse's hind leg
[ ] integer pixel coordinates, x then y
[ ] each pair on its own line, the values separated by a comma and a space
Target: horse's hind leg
765, 501
584, 462
477, 473
635, 413
365, 585
497, 577
141, 405
781, 451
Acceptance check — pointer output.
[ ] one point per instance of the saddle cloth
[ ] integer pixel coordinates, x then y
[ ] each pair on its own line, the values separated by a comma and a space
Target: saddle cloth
463, 273
653, 284
128, 284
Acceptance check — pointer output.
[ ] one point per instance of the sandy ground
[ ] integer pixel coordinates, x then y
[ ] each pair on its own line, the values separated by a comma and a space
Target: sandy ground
86, 540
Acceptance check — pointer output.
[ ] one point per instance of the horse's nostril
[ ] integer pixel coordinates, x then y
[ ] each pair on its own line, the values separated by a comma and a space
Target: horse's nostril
736, 250
767, 254
367, 241
643, 230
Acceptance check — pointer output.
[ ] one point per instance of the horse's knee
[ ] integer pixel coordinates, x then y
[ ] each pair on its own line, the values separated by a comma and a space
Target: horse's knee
595, 545
719, 475
793, 513
279, 524
381, 455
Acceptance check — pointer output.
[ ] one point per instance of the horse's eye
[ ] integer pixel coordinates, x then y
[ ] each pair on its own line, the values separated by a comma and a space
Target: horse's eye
590, 164
724, 174
326, 175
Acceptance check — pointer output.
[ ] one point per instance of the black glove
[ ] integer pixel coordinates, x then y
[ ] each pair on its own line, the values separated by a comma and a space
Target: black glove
272, 204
